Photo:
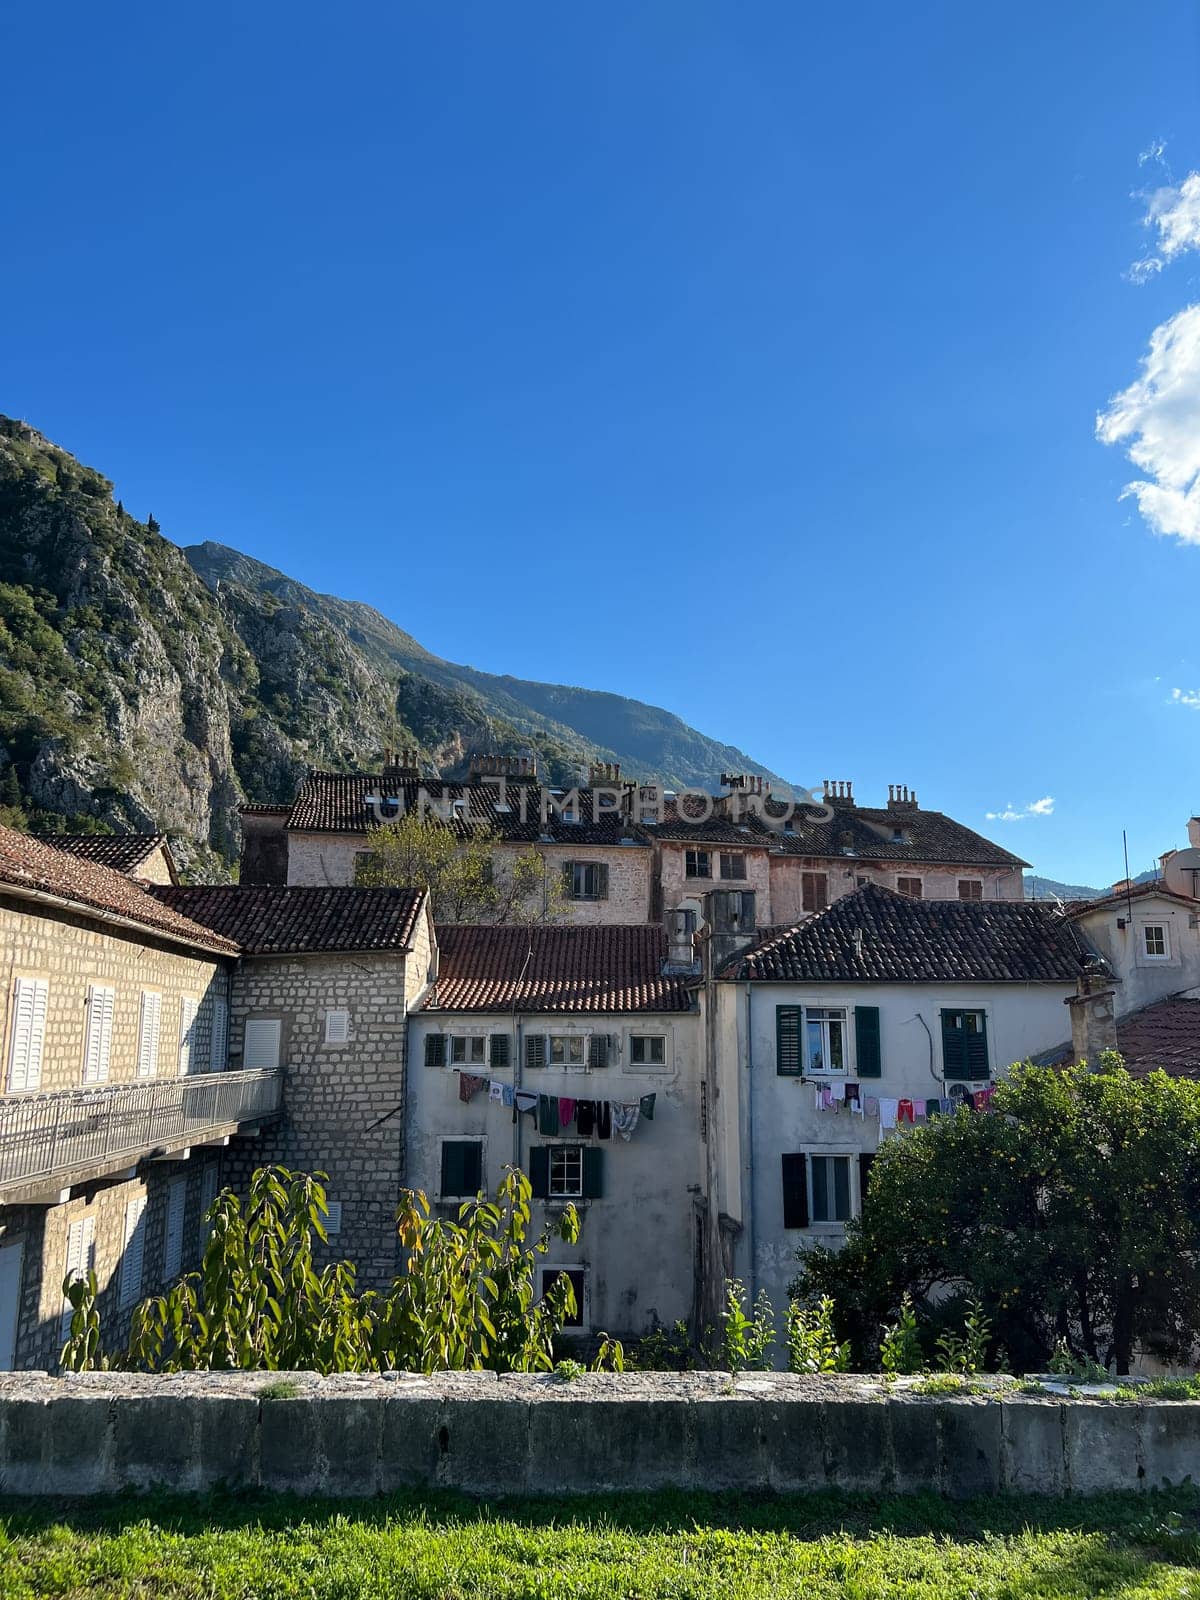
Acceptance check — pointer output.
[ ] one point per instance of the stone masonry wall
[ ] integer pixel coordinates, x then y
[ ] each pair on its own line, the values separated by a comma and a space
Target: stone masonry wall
491, 1436
938, 882
343, 1104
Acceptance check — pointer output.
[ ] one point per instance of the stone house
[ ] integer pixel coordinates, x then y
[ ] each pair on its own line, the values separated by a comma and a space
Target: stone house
589, 1029
321, 996
831, 1036
144, 856
115, 1104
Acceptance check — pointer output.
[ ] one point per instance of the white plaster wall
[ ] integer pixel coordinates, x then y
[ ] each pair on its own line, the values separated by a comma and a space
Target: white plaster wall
637, 1242
779, 1115
1143, 980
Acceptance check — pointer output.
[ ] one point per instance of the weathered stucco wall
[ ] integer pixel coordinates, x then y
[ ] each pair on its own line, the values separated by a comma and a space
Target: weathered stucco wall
938, 882
1144, 979
511, 1435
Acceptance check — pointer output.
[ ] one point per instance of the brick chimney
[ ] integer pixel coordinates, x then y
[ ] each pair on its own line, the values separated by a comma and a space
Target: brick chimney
1093, 1013
839, 792
1194, 831
401, 764
604, 774
517, 769
902, 798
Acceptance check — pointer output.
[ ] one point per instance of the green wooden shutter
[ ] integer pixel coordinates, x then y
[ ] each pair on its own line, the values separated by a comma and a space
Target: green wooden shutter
569, 879
795, 1191
452, 1168
976, 1045
472, 1165
866, 1042
435, 1049
539, 1171
598, 1050
593, 1173
602, 880
954, 1045
788, 1055
535, 1050
498, 1050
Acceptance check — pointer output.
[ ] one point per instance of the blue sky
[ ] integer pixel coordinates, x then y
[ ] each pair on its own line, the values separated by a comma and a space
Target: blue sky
742, 358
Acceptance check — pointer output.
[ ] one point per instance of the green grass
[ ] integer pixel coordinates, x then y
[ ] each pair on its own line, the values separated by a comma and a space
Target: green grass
687, 1547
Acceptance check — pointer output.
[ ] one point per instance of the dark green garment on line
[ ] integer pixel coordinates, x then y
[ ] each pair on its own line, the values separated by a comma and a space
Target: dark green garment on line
548, 1114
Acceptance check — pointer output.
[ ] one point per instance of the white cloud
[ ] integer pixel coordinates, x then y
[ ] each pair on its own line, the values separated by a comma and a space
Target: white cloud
1153, 152
1174, 213
1186, 697
1158, 420
1036, 808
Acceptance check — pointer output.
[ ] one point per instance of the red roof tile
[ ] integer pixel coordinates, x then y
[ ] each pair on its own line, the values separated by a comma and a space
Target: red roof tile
123, 852
27, 863
281, 921
556, 969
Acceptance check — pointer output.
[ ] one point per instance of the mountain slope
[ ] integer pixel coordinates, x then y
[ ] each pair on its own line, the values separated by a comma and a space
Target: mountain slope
142, 686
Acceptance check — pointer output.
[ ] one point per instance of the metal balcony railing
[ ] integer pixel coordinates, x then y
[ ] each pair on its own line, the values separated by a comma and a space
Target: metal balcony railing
42, 1135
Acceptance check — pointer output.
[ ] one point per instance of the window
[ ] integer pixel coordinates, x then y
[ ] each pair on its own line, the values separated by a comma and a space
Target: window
209, 1184
173, 1248
462, 1168
964, 1044
970, 889
576, 1275
697, 864
333, 1217
566, 1172
134, 1252
149, 1029
218, 1033
647, 1050
567, 1050
1154, 942
435, 1049
261, 1052
910, 887
337, 1027
788, 1058
189, 1010
97, 1048
830, 1188
733, 864
586, 880
28, 1034
814, 891
81, 1259
467, 1051
825, 1039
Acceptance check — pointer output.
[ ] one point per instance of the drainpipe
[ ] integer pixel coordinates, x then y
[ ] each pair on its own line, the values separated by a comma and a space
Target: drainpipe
749, 1163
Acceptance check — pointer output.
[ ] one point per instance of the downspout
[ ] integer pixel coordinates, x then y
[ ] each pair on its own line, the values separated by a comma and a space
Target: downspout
519, 1061
750, 1208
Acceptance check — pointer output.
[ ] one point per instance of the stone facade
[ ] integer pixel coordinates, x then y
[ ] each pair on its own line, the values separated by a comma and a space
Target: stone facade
939, 881
674, 885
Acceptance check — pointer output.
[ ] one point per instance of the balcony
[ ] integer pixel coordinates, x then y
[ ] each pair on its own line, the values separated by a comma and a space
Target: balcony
50, 1141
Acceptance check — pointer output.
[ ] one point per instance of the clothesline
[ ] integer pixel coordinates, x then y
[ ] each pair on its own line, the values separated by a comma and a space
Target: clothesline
555, 1113
892, 1113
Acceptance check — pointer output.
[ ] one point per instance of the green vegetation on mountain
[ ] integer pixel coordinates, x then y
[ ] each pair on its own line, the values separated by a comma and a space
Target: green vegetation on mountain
144, 686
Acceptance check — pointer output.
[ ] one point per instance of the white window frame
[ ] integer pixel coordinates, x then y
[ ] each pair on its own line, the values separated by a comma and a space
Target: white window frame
567, 1155
833, 1153
81, 1259
27, 1037
133, 1255
149, 1033
259, 1023
659, 1039
582, 1306
176, 1220
98, 1032
571, 1040
824, 1023
939, 1005
462, 1138
1162, 928
337, 1028
468, 1049
581, 871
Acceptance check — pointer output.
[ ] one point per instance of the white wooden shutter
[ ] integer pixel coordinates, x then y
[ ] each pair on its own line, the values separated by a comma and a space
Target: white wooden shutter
81, 1258
218, 1037
149, 1033
333, 1221
30, 997
134, 1252
188, 1009
97, 1050
208, 1193
261, 1048
337, 1027
176, 1206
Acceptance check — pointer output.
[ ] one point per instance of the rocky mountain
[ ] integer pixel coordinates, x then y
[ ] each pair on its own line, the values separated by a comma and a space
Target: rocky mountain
146, 686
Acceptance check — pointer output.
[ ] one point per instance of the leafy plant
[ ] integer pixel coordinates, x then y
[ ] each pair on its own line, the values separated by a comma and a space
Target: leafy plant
747, 1338
966, 1352
1064, 1363
900, 1350
568, 1371
81, 1352
812, 1344
610, 1355
664, 1350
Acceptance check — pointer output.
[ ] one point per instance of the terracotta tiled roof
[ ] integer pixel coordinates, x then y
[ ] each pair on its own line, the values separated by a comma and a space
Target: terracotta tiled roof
876, 936
869, 833
123, 852
32, 864
557, 969
264, 811
331, 802
1119, 897
1165, 1034
280, 921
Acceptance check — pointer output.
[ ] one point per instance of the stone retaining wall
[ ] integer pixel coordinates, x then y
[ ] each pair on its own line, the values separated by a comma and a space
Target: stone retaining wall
492, 1436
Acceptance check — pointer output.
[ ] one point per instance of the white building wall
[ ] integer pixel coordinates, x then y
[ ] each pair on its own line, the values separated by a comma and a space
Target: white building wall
1144, 979
637, 1242
778, 1112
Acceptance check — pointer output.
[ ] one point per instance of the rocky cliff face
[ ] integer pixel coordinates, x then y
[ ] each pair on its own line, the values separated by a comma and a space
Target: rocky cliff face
142, 686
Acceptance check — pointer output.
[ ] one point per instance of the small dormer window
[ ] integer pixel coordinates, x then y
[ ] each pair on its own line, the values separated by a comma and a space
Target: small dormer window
1155, 942
897, 835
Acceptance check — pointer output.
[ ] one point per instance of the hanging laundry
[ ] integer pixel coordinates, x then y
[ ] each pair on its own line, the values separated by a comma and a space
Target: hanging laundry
871, 1105
548, 1114
566, 1111
585, 1118
508, 1094
496, 1091
838, 1089
624, 1118
961, 1096
469, 1085
525, 1101
887, 1112
819, 1094
982, 1098
904, 1111
826, 1099
852, 1095
933, 1108
948, 1108
603, 1119
646, 1104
